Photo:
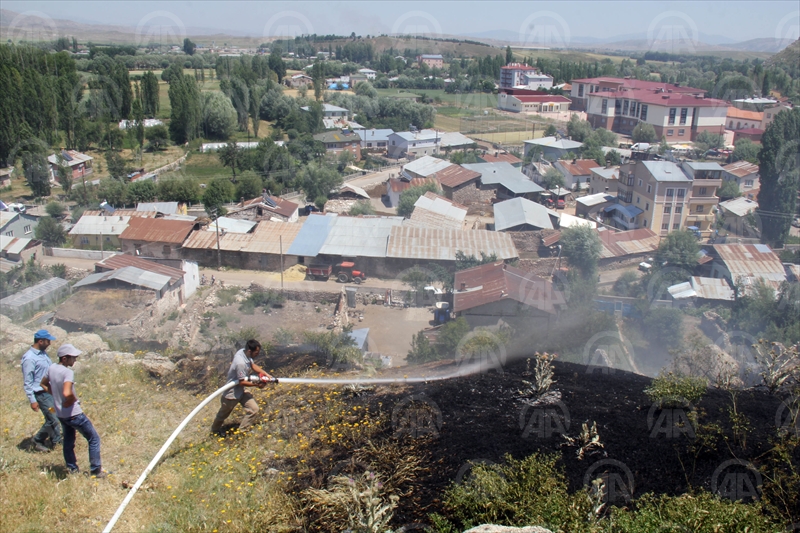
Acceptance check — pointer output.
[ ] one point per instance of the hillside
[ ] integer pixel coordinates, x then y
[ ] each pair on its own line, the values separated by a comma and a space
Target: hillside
788, 57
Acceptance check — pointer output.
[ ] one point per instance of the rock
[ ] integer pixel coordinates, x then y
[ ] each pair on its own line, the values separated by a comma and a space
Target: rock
488, 528
123, 358
88, 343
14, 351
157, 365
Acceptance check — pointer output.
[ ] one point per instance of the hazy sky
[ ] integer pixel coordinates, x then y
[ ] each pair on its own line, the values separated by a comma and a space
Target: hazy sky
564, 21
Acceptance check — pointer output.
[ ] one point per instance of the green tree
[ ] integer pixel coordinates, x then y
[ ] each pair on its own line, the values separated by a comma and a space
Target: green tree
745, 150
248, 186
189, 47
219, 116
509, 55
50, 232
55, 209
185, 112
229, 156
64, 174
256, 94
410, 196
664, 326
157, 136
613, 158
37, 173
219, 192
644, 133
626, 284
729, 190
184, 190
114, 192
708, 141
779, 163
115, 165
318, 180
577, 129
421, 350
464, 261
450, 336
678, 249
362, 207
142, 191
550, 130
581, 246
150, 102
552, 179
276, 63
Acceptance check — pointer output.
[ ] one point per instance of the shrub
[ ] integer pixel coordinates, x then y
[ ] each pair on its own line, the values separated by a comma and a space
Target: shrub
359, 502
261, 299
672, 390
626, 284
59, 270
227, 295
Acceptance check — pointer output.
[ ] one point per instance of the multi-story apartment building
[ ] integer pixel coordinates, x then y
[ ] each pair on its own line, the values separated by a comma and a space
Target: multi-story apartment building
702, 207
521, 75
658, 195
676, 113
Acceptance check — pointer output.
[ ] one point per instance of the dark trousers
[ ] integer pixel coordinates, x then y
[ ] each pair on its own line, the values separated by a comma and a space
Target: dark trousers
83, 425
51, 427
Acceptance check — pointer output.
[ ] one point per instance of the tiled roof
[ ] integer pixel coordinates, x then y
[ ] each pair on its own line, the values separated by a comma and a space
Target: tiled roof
579, 167
157, 230
494, 282
743, 114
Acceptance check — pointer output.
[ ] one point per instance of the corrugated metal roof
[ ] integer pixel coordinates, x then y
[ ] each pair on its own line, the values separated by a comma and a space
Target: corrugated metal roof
130, 275
697, 165
518, 211
637, 241
167, 208
426, 166
552, 142
706, 288
6, 217
579, 167
454, 138
506, 175
595, 199
490, 157
359, 236
442, 244
494, 282
741, 169
119, 261
610, 173
231, 225
13, 245
739, 206
456, 175
31, 294
265, 239
157, 230
357, 190
312, 235
122, 213
177, 216
568, 221
431, 201
750, 262
551, 239
97, 225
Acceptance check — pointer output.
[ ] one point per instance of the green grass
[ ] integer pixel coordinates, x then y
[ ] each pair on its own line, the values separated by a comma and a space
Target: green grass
398, 93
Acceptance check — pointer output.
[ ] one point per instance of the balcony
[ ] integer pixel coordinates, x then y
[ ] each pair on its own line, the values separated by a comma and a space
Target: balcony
709, 199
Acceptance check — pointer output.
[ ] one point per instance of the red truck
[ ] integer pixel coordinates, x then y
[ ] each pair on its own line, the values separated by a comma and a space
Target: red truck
344, 272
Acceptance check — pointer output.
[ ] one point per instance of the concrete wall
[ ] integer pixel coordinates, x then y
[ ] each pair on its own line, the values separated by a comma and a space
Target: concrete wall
244, 260
78, 254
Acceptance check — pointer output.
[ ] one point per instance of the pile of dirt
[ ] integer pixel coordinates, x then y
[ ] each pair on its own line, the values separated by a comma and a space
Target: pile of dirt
293, 273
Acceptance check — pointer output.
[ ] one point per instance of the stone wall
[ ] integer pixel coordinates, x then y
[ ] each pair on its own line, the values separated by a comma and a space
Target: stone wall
244, 260
470, 194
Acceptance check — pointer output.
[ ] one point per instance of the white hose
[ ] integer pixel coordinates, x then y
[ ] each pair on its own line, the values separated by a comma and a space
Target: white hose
230, 384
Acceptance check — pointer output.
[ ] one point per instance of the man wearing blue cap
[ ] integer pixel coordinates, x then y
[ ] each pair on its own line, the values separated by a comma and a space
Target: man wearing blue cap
35, 363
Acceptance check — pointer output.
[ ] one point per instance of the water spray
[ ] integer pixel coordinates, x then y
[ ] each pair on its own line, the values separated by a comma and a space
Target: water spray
264, 379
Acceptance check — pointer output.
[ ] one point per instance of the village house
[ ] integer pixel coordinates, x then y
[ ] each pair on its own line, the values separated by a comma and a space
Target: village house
80, 164
604, 180
424, 167
701, 291
463, 186
374, 140
396, 186
15, 251
552, 148
155, 237
99, 231
412, 144
368, 73
771, 112
431, 60
746, 175
519, 214
745, 265
298, 80
13, 224
735, 216
341, 140
506, 180
592, 205
493, 292
434, 211
183, 275
577, 173
626, 245
266, 207
497, 156
5, 176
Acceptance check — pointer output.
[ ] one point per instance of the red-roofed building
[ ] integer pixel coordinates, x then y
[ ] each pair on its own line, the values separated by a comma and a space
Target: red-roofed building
266, 207
155, 237
582, 88
576, 171
739, 119
496, 291
494, 156
463, 185
395, 186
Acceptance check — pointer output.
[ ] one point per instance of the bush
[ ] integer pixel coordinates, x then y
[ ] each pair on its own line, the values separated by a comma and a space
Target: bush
227, 295
671, 390
261, 299
59, 270
626, 284
664, 326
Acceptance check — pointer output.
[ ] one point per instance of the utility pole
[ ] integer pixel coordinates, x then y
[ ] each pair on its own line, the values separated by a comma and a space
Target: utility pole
219, 257
280, 240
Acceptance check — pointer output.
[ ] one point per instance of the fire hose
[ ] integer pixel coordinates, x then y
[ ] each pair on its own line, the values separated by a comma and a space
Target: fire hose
231, 384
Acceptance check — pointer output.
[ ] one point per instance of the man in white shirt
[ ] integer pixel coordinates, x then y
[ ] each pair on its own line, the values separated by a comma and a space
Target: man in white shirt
241, 368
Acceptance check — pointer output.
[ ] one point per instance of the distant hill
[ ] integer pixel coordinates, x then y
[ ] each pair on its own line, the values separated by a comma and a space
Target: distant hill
789, 56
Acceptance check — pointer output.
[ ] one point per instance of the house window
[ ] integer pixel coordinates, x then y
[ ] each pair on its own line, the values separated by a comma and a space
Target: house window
645, 223
580, 90
26, 229
649, 187
640, 183
703, 190
665, 225
670, 133
637, 199
678, 209
643, 114
699, 209
84, 240
681, 193
166, 250
672, 112
670, 193
647, 206
684, 112
604, 107
625, 107
392, 143
667, 209
748, 183
676, 225
10, 233
730, 126
681, 132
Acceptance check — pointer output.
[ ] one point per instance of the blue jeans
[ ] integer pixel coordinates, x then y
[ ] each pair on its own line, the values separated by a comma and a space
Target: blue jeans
51, 427
82, 424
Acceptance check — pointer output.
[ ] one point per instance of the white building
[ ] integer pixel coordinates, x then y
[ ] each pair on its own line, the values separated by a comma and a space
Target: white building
413, 143
368, 72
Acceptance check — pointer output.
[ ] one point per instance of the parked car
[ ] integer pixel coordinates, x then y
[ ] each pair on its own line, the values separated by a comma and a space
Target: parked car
644, 267
561, 203
796, 223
